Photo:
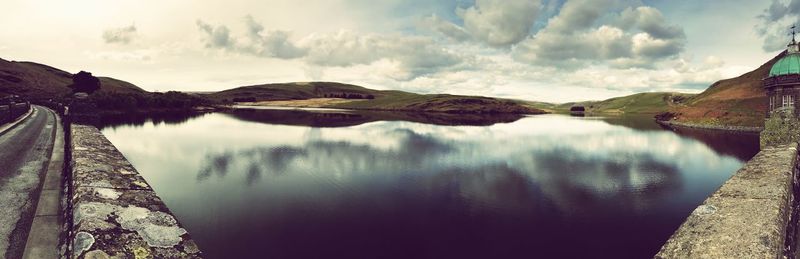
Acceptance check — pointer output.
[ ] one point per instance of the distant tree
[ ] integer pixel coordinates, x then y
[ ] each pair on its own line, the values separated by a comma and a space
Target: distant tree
577, 108
84, 82
244, 99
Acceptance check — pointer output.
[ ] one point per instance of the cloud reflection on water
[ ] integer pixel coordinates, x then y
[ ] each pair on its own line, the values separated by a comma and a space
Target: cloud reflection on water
573, 175
535, 183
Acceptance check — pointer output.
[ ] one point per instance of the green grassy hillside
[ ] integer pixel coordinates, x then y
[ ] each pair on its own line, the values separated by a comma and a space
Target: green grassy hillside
291, 91
641, 103
378, 100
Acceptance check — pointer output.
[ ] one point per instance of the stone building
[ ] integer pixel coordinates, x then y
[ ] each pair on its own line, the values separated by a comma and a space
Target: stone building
783, 82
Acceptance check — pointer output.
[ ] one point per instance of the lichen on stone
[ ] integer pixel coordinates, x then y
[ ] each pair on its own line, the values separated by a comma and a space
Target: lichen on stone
83, 241
141, 253
140, 184
102, 184
96, 254
161, 236
92, 210
158, 229
705, 210
108, 193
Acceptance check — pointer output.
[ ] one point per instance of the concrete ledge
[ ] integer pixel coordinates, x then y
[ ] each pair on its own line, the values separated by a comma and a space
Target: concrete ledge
747, 217
114, 212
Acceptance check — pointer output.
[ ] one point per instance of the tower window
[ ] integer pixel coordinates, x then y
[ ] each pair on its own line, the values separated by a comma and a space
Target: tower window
771, 103
788, 101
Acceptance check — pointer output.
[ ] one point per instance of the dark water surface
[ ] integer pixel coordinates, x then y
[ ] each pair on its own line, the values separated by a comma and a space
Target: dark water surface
332, 184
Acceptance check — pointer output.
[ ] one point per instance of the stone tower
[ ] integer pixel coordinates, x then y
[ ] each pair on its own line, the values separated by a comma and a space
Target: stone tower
783, 82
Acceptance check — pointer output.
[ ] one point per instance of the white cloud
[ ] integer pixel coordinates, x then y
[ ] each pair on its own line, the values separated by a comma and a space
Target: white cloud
775, 23
413, 55
448, 29
123, 35
500, 22
550, 50
136, 55
638, 37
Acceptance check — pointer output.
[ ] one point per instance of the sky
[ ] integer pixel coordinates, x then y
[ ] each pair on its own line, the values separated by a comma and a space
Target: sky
543, 50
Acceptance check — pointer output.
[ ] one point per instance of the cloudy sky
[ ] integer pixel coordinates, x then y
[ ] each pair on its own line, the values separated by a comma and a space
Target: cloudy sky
546, 50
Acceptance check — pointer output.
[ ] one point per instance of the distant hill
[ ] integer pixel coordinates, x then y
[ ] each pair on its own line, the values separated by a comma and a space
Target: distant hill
740, 101
291, 91
370, 99
33, 80
641, 103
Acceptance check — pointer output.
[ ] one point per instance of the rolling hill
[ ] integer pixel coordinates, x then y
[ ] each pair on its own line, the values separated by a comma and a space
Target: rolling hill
641, 103
37, 81
739, 101
368, 99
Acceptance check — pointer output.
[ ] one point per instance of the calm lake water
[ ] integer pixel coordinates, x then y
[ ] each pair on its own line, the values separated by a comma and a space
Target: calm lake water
334, 184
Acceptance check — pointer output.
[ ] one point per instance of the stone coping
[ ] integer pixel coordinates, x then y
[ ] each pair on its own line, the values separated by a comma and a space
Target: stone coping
115, 213
747, 217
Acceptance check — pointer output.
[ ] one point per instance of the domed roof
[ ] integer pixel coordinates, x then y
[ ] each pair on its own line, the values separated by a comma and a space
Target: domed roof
790, 64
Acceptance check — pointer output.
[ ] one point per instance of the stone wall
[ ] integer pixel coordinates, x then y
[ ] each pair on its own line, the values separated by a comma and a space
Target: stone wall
111, 210
9, 113
711, 127
747, 217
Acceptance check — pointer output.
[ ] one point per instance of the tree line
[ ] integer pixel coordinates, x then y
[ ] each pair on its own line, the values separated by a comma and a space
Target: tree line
349, 96
144, 101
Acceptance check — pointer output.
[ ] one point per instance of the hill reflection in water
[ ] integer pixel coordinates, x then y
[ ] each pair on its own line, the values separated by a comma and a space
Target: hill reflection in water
364, 187
313, 117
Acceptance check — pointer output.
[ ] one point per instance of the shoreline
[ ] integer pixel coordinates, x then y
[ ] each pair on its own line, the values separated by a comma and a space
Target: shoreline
740, 129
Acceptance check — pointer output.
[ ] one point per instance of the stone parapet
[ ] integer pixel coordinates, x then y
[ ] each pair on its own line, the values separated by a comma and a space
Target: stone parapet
747, 217
114, 212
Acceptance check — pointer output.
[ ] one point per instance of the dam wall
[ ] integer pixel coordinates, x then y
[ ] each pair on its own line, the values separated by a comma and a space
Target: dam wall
110, 211
750, 216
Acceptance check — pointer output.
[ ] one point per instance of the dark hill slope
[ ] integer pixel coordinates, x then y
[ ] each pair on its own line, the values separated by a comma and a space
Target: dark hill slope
33, 80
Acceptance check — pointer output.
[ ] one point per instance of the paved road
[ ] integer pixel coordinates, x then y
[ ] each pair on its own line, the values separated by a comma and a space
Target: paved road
24, 154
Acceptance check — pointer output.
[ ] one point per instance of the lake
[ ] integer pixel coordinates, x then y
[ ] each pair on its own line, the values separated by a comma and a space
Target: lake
263, 183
